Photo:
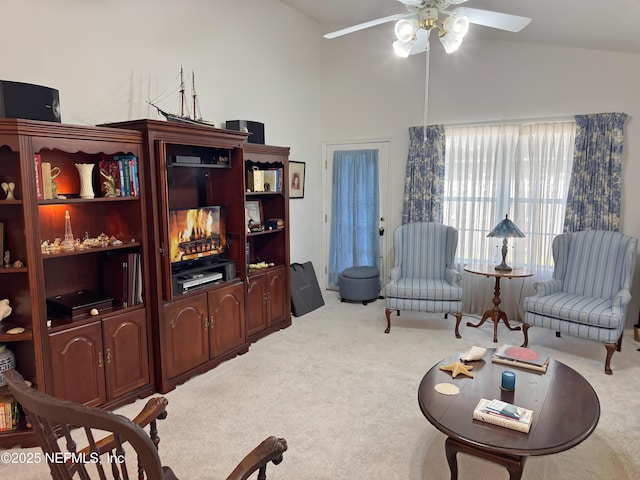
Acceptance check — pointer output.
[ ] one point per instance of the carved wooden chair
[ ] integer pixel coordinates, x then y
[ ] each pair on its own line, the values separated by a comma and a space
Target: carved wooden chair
53, 419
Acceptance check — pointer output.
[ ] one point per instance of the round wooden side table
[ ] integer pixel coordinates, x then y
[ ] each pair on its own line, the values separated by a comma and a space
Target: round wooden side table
495, 313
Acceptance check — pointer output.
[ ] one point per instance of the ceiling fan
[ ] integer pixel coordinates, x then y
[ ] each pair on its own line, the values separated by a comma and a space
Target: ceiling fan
412, 29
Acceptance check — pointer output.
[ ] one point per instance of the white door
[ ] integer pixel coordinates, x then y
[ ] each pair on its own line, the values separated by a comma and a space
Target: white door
383, 147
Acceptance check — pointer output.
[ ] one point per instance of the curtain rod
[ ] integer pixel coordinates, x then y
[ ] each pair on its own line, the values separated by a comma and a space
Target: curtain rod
523, 121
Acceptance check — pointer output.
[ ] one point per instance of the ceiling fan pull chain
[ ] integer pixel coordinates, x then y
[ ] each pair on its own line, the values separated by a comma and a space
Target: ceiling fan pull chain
426, 96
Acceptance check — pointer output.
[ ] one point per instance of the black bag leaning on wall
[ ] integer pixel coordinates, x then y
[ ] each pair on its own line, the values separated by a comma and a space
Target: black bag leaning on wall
305, 292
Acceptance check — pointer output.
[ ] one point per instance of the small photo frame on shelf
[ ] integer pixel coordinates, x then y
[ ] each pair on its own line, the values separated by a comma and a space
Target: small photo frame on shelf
254, 215
1, 244
296, 179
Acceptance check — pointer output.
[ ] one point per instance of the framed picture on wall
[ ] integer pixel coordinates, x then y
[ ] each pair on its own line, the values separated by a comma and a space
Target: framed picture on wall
296, 179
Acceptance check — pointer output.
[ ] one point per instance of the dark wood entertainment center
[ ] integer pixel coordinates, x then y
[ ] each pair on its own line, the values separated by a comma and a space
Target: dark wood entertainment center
175, 332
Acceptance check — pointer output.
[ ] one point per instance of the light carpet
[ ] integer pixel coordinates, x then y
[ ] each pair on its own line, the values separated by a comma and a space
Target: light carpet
344, 395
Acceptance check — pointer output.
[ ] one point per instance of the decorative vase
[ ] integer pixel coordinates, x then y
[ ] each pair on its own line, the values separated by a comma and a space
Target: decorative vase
7, 362
86, 188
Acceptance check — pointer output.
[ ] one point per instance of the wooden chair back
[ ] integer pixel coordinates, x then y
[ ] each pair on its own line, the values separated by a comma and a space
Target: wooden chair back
60, 425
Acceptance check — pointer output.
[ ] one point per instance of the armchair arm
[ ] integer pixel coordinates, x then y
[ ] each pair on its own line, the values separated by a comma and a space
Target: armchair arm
547, 287
620, 301
452, 276
154, 409
394, 274
270, 450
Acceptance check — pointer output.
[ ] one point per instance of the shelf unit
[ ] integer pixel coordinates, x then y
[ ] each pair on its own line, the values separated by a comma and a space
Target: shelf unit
55, 353
193, 166
268, 290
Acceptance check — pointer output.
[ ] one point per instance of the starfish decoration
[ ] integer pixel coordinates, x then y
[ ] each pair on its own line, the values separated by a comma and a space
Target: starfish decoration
457, 368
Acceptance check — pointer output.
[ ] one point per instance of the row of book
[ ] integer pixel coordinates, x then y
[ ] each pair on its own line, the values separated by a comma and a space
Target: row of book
10, 413
503, 414
118, 177
269, 180
522, 357
122, 278
121, 175
45, 178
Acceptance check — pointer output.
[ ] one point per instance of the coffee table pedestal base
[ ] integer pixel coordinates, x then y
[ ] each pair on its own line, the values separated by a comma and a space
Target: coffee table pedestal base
513, 464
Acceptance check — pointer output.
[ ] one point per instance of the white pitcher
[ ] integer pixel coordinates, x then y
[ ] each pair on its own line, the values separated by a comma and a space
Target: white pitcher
86, 188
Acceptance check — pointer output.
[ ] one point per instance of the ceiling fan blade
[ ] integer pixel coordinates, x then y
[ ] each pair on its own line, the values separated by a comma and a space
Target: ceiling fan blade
503, 21
422, 42
370, 23
413, 3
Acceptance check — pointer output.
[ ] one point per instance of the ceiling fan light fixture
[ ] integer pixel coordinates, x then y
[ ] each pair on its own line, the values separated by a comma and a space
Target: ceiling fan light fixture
458, 25
402, 49
405, 29
450, 42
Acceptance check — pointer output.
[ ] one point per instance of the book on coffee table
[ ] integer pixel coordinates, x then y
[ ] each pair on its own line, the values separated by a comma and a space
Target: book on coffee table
521, 357
503, 414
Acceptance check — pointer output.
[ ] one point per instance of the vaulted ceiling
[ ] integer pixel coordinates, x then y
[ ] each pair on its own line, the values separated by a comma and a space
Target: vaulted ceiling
602, 25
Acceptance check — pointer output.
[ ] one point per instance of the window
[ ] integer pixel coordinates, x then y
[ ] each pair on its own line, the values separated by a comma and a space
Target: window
522, 170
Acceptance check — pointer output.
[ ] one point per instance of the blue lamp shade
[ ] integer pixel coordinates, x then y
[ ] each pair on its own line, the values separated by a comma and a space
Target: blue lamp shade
505, 229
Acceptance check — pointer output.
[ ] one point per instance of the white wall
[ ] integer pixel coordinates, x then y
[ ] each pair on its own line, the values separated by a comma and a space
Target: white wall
367, 92
254, 59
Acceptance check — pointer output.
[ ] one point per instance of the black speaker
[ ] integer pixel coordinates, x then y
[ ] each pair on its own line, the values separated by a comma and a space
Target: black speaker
256, 129
33, 102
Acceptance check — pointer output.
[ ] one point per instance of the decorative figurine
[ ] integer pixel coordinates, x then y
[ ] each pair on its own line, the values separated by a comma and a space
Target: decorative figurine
68, 243
8, 190
7, 259
109, 184
5, 309
55, 173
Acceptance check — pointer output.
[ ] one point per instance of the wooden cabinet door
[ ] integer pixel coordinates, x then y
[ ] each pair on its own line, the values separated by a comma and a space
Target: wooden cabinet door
185, 343
256, 319
276, 308
126, 355
226, 319
78, 364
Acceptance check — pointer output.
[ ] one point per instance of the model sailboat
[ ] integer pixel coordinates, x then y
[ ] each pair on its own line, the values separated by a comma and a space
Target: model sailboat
184, 116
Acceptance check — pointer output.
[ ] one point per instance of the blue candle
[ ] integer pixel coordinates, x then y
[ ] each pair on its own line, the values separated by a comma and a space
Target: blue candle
508, 380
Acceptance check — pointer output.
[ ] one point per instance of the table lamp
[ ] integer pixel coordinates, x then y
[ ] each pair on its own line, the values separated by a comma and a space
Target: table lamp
505, 229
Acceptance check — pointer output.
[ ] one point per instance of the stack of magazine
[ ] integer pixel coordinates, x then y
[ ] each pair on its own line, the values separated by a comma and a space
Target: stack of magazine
521, 357
503, 414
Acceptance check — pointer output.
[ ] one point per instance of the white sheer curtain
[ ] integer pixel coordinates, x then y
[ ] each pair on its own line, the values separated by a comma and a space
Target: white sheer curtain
521, 170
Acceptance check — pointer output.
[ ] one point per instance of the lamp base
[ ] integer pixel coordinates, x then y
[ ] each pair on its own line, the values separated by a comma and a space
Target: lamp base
503, 267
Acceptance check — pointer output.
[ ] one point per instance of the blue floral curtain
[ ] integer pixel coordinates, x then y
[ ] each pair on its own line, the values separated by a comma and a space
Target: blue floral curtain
424, 181
355, 212
595, 189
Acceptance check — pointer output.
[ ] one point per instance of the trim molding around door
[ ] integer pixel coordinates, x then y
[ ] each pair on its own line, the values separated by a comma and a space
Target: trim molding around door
384, 146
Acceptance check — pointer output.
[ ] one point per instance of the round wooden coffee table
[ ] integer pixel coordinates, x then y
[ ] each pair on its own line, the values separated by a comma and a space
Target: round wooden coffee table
565, 408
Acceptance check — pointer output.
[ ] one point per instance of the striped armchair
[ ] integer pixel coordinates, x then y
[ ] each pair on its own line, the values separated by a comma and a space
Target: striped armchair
422, 278
590, 289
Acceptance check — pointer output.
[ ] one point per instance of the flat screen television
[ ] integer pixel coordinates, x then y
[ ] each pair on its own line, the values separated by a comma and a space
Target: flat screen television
196, 235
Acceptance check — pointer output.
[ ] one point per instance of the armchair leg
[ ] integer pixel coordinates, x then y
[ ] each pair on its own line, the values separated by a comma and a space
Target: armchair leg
387, 313
458, 320
611, 347
525, 332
